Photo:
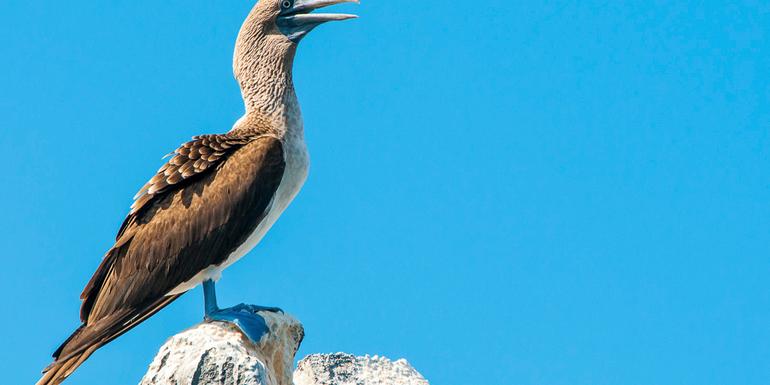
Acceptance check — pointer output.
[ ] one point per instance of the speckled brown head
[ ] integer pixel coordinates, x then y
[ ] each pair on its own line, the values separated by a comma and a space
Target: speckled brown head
267, 43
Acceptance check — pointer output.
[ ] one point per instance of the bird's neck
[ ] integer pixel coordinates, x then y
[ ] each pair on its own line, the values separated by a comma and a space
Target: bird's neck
263, 64
266, 83
267, 88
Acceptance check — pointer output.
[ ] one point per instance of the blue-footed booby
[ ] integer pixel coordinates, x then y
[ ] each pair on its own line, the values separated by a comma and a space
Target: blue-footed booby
213, 201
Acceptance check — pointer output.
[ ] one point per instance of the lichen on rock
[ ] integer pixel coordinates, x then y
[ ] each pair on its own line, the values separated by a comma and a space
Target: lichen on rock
346, 369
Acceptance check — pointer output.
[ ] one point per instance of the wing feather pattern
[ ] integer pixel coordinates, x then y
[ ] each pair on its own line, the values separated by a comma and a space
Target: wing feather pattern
199, 207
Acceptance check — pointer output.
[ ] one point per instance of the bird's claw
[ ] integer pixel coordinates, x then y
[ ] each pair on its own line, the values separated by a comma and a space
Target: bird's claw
255, 308
251, 324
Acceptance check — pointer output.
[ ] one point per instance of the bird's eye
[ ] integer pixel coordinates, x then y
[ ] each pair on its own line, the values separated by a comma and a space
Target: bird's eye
286, 4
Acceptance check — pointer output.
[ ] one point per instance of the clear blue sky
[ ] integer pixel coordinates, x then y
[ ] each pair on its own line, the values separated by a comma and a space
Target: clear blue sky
545, 193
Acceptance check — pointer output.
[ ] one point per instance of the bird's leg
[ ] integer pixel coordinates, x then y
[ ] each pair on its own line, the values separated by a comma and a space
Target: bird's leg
243, 316
210, 297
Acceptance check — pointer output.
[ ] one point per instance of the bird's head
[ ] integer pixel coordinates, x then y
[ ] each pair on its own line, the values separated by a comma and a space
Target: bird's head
295, 20
275, 27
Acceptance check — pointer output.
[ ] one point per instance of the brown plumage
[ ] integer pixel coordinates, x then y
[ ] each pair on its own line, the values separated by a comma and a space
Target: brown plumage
180, 229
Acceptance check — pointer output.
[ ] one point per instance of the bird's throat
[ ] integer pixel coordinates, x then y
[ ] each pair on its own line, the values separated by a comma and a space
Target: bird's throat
262, 63
265, 79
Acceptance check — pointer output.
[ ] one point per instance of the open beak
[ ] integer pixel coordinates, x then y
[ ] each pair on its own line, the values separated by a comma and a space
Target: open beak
297, 21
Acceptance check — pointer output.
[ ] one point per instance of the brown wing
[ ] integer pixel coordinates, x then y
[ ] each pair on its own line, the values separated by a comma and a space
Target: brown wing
188, 225
189, 161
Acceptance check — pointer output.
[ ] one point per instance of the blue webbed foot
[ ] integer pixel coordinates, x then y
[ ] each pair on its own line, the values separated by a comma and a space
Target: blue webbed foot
244, 318
256, 308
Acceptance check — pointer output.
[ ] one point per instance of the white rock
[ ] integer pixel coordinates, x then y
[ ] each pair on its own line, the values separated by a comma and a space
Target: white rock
346, 369
218, 354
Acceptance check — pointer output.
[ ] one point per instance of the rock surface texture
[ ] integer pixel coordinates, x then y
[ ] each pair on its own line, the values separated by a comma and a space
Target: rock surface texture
218, 354
346, 369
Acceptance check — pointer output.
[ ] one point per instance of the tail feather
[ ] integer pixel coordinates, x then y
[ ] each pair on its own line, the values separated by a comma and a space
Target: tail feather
61, 369
64, 366
87, 339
